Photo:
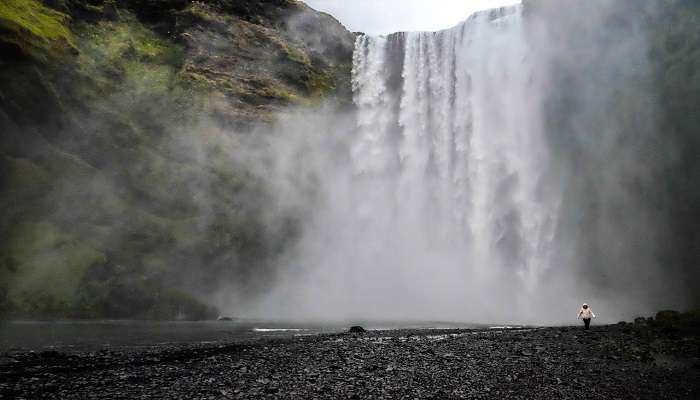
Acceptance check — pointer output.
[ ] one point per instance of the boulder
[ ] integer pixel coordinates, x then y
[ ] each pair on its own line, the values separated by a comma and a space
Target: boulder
357, 329
668, 317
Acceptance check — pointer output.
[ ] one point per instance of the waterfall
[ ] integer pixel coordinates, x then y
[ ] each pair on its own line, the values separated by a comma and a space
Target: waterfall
449, 132
443, 197
497, 170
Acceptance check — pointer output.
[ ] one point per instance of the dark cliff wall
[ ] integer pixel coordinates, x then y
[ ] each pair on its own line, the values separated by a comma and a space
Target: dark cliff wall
623, 119
118, 124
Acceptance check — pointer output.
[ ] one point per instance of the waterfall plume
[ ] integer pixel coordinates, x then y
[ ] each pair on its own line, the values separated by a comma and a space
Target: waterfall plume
468, 183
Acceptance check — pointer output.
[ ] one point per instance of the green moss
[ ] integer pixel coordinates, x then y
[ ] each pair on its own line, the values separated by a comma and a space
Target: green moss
124, 177
297, 56
110, 43
141, 73
342, 79
148, 80
276, 92
23, 184
42, 268
130, 52
200, 12
291, 53
320, 84
35, 30
261, 90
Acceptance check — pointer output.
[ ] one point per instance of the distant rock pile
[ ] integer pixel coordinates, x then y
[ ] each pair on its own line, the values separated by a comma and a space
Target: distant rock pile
357, 329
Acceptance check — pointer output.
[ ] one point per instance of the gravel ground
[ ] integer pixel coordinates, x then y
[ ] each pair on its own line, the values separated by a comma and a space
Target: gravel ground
607, 362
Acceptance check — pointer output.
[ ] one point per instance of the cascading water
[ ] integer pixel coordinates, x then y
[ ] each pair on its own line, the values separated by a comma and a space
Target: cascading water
440, 202
476, 181
451, 122
450, 150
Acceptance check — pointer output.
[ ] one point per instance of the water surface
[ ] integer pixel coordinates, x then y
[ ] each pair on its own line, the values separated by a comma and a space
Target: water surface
72, 335
92, 335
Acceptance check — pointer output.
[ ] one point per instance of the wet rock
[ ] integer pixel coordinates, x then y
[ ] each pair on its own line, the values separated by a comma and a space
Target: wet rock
668, 317
357, 329
458, 364
271, 389
50, 354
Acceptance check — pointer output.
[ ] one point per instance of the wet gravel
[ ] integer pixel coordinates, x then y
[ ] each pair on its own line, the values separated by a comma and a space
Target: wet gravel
607, 362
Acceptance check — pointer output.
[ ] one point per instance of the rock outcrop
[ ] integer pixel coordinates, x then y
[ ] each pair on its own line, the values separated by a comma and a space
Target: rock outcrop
118, 124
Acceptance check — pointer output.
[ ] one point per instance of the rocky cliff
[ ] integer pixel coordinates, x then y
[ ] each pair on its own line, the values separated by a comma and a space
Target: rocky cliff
118, 124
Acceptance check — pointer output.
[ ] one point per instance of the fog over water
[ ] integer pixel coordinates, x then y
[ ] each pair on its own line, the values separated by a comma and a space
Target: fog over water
463, 189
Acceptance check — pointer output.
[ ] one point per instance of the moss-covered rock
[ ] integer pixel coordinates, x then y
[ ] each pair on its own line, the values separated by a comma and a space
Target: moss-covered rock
112, 187
42, 268
30, 29
265, 61
676, 319
667, 317
113, 291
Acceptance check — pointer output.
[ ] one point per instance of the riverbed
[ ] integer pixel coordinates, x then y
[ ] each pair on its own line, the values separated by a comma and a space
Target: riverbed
607, 362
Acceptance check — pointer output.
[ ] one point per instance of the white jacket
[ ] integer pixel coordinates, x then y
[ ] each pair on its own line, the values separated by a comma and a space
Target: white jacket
586, 313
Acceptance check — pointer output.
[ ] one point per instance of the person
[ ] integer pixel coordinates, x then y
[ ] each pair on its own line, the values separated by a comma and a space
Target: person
585, 313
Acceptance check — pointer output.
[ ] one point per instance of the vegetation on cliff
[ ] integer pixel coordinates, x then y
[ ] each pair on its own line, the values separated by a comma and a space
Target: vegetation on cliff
118, 191
34, 30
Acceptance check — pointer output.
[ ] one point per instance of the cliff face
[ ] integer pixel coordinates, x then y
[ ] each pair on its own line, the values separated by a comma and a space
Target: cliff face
634, 117
258, 56
118, 124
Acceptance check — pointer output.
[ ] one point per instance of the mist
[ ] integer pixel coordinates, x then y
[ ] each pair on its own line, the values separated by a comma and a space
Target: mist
505, 170
246, 199
493, 172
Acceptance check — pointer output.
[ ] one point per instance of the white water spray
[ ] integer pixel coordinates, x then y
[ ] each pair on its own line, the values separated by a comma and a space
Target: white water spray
441, 202
450, 151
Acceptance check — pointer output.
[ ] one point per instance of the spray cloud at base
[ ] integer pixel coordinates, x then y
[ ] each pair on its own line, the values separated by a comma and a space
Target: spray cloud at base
505, 170
465, 185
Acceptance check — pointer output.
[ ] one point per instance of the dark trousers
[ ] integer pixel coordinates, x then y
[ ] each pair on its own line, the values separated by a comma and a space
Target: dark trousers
587, 323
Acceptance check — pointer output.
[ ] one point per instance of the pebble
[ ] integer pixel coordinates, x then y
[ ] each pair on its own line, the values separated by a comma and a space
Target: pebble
520, 364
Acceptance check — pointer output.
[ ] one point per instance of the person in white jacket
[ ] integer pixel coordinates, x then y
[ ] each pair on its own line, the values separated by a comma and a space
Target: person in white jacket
585, 313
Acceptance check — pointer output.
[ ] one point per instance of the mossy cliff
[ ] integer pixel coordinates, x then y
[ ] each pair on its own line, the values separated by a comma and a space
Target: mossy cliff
118, 124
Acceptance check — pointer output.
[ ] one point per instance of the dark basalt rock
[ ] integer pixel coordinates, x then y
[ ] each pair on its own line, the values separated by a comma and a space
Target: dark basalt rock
357, 329
668, 317
545, 363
